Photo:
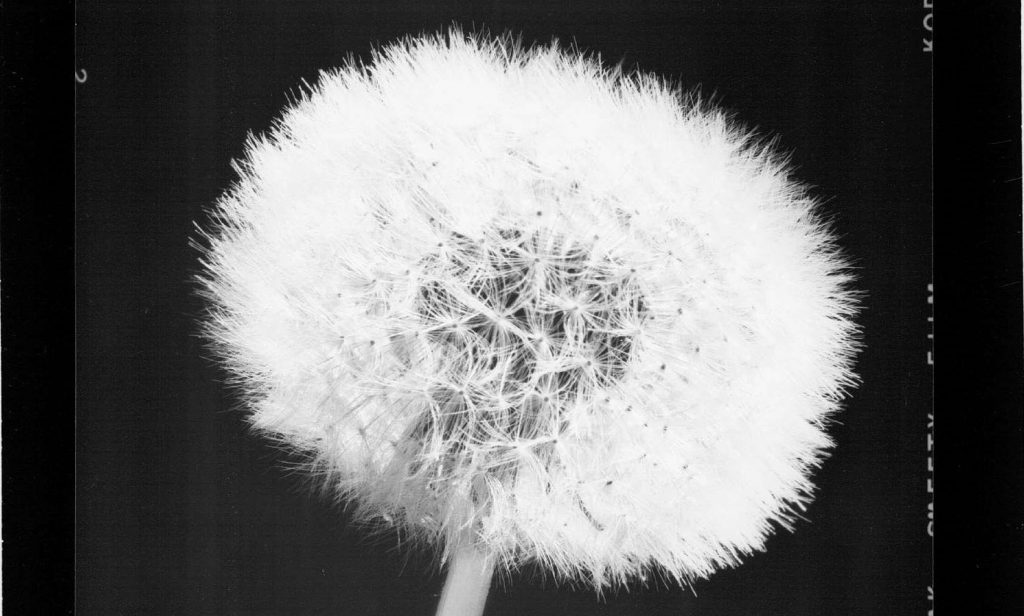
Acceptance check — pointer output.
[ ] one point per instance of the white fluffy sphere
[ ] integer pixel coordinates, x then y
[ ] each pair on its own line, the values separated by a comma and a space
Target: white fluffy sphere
509, 297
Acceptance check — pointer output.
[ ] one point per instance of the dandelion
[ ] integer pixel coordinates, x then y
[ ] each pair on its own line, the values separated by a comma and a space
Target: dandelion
527, 309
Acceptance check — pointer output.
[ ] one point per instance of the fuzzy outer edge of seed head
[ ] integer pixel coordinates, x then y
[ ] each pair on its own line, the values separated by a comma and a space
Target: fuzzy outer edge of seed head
732, 388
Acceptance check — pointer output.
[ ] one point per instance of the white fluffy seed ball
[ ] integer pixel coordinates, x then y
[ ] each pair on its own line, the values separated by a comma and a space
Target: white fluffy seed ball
509, 297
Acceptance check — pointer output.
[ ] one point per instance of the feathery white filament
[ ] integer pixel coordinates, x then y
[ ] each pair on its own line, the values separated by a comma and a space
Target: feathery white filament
510, 296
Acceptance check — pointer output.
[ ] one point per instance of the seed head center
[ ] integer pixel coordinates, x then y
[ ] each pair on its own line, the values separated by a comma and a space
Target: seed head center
544, 321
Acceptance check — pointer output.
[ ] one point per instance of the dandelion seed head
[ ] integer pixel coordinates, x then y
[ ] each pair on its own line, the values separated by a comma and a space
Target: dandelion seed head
507, 296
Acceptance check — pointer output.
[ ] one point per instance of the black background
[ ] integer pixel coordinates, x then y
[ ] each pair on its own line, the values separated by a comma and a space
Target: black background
181, 511
136, 536
178, 510
129, 491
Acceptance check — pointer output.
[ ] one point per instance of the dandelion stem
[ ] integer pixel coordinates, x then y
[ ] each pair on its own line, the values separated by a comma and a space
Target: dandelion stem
467, 584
